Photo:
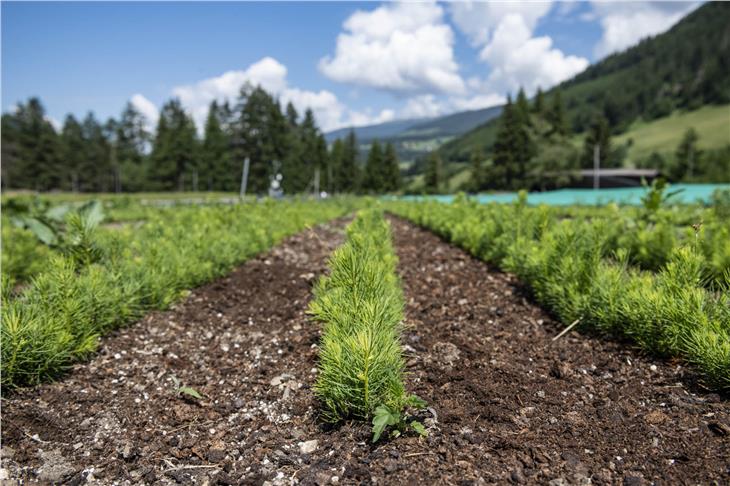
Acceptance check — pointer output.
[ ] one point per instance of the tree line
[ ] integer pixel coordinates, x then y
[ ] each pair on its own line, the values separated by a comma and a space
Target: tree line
121, 155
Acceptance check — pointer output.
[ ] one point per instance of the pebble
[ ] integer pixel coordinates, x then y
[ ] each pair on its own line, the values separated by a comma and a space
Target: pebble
308, 447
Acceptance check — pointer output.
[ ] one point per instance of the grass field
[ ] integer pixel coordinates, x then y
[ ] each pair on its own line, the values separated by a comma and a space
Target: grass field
664, 135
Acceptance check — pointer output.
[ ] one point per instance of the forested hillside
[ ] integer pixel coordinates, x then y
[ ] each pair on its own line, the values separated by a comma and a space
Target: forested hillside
686, 68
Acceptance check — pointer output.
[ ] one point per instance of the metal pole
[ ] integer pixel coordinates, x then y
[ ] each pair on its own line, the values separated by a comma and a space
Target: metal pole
596, 165
244, 178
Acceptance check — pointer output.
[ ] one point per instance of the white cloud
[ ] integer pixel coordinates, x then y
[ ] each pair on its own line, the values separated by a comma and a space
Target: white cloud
403, 48
626, 23
504, 31
271, 75
478, 19
518, 59
148, 110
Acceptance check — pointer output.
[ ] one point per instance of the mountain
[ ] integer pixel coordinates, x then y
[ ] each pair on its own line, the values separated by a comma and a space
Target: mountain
415, 137
380, 131
681, 70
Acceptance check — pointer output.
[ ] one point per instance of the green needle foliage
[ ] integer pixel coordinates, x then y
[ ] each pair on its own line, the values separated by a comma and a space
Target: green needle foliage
82, 294
360, 305
591, 264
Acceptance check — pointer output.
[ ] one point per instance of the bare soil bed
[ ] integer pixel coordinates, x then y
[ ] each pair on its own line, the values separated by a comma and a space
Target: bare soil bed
507, 403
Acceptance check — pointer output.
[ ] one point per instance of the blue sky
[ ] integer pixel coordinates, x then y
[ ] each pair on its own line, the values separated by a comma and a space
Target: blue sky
353, 63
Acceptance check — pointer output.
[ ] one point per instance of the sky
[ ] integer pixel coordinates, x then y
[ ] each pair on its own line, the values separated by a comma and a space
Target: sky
352, 63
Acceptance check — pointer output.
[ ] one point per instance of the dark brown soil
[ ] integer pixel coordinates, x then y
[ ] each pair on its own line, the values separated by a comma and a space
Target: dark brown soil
508, 403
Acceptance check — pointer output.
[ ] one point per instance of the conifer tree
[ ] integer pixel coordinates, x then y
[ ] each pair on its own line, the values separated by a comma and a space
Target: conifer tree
433, 176
96, 172
335, 157
217, 170
539, 105
73, 153
478, 175
556, 115
599, 134
687, 156
522, 108
348, 177
174, 158
391, 170
374, 177
504, 145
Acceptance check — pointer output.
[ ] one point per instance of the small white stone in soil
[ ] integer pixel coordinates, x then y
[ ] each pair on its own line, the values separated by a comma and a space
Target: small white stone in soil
308, 447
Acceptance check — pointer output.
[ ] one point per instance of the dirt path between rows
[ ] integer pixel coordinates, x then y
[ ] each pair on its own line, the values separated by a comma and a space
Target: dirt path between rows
510, 405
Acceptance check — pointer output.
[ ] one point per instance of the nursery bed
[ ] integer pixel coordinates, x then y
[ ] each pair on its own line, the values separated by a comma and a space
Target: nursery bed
507, 402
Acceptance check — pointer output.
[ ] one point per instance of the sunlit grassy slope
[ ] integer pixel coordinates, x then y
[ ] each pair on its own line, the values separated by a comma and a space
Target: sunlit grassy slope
712, 123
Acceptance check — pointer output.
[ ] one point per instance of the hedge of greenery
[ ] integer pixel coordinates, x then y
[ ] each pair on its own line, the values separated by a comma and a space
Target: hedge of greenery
106, 279
576, 269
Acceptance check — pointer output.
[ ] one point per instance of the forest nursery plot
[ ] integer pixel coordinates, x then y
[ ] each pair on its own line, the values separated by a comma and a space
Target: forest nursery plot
94, 281
220, 388
591, 272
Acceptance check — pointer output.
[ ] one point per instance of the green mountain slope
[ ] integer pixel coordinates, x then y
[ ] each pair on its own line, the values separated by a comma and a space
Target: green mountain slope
682, 69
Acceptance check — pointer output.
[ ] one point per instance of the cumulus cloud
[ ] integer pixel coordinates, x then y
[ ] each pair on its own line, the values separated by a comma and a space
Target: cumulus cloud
624, 24
147, 108
271, 75
479, 19
403, 48
518, 59
504, 32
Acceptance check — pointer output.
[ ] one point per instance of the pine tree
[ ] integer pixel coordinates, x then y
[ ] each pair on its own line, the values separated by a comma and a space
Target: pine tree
433, 176
599, 134
539, 105
391, 170
374, 177
556, 115
687, 156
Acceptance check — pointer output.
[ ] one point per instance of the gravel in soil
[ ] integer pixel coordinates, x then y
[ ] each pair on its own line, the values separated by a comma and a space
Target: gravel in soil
507, 403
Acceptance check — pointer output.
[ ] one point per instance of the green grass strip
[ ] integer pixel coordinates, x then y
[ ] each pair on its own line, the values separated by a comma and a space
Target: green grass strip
360, 304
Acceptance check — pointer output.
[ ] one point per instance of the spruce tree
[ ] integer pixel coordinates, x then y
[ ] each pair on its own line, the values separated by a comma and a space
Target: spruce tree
556, 115
348, 177
335, 158
96, 172
539, 104
174, 158
478, 175
687, 156
391, 170
522, 108
132, 140
599, 134
217, 170
504, 145
40, 165
433, 176
73, 153
374, 177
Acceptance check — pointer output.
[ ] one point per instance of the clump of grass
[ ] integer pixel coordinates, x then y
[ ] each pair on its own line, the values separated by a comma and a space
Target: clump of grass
361, 305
